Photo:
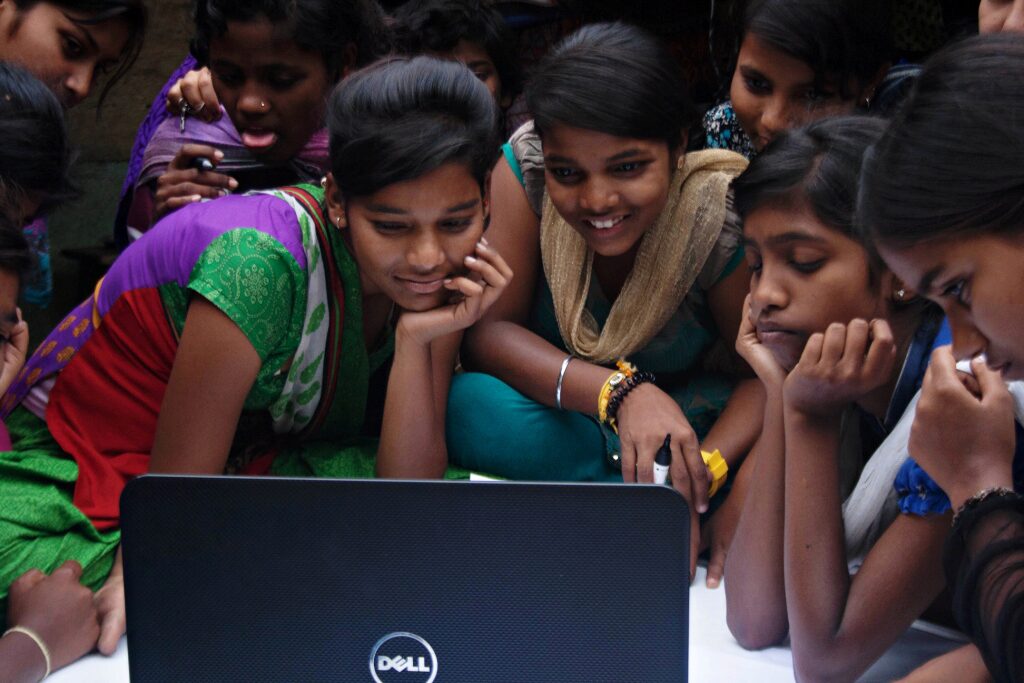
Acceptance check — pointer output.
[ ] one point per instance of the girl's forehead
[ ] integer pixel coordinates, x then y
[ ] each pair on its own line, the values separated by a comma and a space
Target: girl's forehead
562, 139
784, 224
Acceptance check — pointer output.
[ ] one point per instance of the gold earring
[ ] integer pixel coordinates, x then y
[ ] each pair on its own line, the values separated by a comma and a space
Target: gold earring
901, 294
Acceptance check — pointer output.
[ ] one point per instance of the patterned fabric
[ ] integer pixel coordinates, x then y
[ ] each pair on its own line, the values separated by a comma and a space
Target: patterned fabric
722, 130
302, 388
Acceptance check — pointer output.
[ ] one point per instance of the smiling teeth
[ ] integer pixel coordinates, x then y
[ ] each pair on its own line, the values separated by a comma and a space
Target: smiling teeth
604, 225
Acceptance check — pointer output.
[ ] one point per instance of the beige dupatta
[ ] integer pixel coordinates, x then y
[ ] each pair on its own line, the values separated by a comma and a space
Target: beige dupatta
672, 253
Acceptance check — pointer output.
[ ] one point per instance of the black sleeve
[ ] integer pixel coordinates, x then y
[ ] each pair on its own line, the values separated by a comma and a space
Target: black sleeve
984, 561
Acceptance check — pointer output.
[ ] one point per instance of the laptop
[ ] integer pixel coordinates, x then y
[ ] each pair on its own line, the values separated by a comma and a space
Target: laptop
271, 579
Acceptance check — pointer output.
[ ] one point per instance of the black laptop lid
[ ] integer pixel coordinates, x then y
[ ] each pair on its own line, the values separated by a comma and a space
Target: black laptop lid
262, 579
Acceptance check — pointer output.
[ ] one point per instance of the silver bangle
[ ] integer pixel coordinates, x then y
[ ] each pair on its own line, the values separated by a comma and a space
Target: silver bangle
561, 376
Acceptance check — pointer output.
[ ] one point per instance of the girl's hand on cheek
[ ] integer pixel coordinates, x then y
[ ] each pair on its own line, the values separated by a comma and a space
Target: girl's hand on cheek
15, 352
964, 442
840, 366
474, 293
759, 357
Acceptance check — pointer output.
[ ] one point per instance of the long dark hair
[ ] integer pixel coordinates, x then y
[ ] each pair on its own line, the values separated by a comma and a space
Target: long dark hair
328, 27
615, 79
951, 162
35, 156
132, 12
401, 118
841, 40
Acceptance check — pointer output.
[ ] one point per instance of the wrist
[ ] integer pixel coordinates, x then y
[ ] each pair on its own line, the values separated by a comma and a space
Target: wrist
801, 416
969, 487
26, 650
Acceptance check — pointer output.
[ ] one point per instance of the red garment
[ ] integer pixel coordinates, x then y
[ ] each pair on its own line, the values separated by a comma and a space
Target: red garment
81, 401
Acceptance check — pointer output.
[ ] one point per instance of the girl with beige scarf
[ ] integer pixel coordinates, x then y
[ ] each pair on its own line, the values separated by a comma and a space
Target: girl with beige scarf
624, 247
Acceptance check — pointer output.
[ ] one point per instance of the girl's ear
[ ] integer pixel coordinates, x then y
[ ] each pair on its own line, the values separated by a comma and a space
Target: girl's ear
348, 62
896, 291
335, 202
680, 151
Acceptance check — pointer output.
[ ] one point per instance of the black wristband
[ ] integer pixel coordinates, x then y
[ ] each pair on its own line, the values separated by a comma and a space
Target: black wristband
615, 402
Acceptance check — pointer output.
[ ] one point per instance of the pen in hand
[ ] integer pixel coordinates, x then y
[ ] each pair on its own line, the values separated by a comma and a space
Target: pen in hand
662, 461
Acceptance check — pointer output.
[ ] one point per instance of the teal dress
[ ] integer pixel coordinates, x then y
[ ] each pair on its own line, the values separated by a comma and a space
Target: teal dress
493, 428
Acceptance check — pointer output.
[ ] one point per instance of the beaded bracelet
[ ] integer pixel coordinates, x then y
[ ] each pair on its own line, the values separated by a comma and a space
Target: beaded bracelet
620, 394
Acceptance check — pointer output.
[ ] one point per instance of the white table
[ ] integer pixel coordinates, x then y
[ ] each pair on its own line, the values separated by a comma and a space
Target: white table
714, 654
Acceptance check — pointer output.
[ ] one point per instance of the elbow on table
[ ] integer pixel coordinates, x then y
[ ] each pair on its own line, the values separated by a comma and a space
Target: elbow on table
757, 632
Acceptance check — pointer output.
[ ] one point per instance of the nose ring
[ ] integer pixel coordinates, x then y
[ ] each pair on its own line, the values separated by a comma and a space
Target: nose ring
263, 105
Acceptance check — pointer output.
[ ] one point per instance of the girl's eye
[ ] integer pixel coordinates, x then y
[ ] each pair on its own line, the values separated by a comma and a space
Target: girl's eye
282, 81
229, 78
757, 85
807, 266
482, 75
816, 96
958, 291
72, 48
457, 224
564, 174
383, 226
629, 167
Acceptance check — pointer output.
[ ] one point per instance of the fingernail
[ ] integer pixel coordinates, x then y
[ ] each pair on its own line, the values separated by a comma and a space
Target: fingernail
470, 259
447, 280
195, 198
218, 155
232, 183
224, 193
712, 582
483, 241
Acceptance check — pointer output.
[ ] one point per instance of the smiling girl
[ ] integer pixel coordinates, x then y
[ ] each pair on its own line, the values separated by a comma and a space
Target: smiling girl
799, 61
625, 248
841, 345
236, 329
271, 66
947, 215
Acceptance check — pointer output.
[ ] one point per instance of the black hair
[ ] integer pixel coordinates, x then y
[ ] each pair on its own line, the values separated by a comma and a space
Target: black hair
131, 12
328, 27
817, 166
438, 25
951, 162
15, 254
35, 156
401, 118
615, 79
841, 40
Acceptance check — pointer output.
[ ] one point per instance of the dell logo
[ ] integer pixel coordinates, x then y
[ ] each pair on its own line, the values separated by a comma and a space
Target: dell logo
403, 658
